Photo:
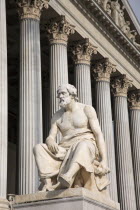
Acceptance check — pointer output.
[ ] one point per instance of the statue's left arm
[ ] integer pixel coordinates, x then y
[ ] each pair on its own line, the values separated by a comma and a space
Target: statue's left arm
95, 127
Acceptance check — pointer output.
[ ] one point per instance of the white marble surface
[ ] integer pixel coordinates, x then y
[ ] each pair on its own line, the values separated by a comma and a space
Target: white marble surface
83, 83
124, 166
135, 142
104, 113
3, 101
30, 119
80, 199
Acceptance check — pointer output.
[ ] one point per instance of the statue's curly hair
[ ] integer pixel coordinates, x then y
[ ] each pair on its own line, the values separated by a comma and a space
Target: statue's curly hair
71, 90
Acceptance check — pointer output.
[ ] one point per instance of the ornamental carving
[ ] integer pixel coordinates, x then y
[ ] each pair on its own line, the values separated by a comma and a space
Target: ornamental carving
31, 8
58, 30
103, 69
82, 51
120, 85
134, 99
114, 9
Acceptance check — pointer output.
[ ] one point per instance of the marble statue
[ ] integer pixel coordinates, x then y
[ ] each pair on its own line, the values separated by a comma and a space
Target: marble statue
104, 3
122, 21
80, 159
115, 11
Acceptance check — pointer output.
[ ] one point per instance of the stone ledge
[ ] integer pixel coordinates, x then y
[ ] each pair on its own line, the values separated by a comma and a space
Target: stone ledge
62, 195
4, 204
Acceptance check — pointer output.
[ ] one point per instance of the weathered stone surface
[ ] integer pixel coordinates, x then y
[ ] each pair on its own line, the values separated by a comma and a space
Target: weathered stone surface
80, 199
4, 204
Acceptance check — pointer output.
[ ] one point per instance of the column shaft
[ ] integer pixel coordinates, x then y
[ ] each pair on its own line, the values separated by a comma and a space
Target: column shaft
135, 142
3, 101
58, 72
83, 83
82, 51
104, 112
125, 177
30, 104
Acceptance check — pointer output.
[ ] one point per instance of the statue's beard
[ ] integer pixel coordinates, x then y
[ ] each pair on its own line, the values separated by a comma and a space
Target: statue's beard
64, 102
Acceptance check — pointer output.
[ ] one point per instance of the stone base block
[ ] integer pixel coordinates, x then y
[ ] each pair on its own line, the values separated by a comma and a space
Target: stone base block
4, 204
70, 199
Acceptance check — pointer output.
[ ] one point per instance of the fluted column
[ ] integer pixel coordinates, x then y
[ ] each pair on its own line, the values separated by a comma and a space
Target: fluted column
3, 107
30, 92
82, 52
58, 31
134, 104
102, 71
125, 178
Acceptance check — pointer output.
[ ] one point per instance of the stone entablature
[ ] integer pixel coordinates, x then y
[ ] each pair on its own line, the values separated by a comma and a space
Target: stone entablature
116, 12
82, 52
134, 99
31, 9
58, 30
103, 69
120, 85
122, 42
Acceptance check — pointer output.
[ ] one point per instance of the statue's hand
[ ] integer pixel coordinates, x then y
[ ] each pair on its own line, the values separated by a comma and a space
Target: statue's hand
100, 168
52, 145
104, 166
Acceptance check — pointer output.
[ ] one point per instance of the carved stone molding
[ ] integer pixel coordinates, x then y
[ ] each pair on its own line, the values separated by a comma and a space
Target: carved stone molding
134, 99
31, 8
58, 30
120, 85
82, 51
103, 69
93, 10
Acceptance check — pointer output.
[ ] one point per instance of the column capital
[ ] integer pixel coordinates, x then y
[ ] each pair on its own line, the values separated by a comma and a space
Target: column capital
134, 99
82, 51
31, 9
58, 30
103, 69
120, 85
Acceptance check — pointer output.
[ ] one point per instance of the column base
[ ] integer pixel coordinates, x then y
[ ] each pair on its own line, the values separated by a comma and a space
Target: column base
70, 199
4, 204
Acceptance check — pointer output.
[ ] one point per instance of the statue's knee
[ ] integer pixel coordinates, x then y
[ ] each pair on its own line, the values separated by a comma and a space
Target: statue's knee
83, 144
36, 148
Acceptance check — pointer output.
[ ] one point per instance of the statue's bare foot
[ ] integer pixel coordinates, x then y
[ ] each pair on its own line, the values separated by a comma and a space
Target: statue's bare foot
57, 186
46, 188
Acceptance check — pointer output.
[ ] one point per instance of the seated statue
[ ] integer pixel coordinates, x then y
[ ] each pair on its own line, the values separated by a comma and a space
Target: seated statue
79, 159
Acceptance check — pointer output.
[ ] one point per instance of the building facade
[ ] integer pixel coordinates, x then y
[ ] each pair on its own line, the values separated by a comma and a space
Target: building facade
92, 44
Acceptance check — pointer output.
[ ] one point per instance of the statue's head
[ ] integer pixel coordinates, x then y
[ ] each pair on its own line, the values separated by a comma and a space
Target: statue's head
66, 93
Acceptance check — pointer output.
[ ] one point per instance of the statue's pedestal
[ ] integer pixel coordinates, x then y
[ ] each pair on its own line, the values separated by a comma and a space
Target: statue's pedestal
4, 204
70, 199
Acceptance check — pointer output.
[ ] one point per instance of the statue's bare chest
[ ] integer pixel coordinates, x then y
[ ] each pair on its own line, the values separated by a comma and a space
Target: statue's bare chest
71, 120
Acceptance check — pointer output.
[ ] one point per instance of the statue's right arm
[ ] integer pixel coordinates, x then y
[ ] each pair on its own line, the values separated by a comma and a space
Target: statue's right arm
51, 139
